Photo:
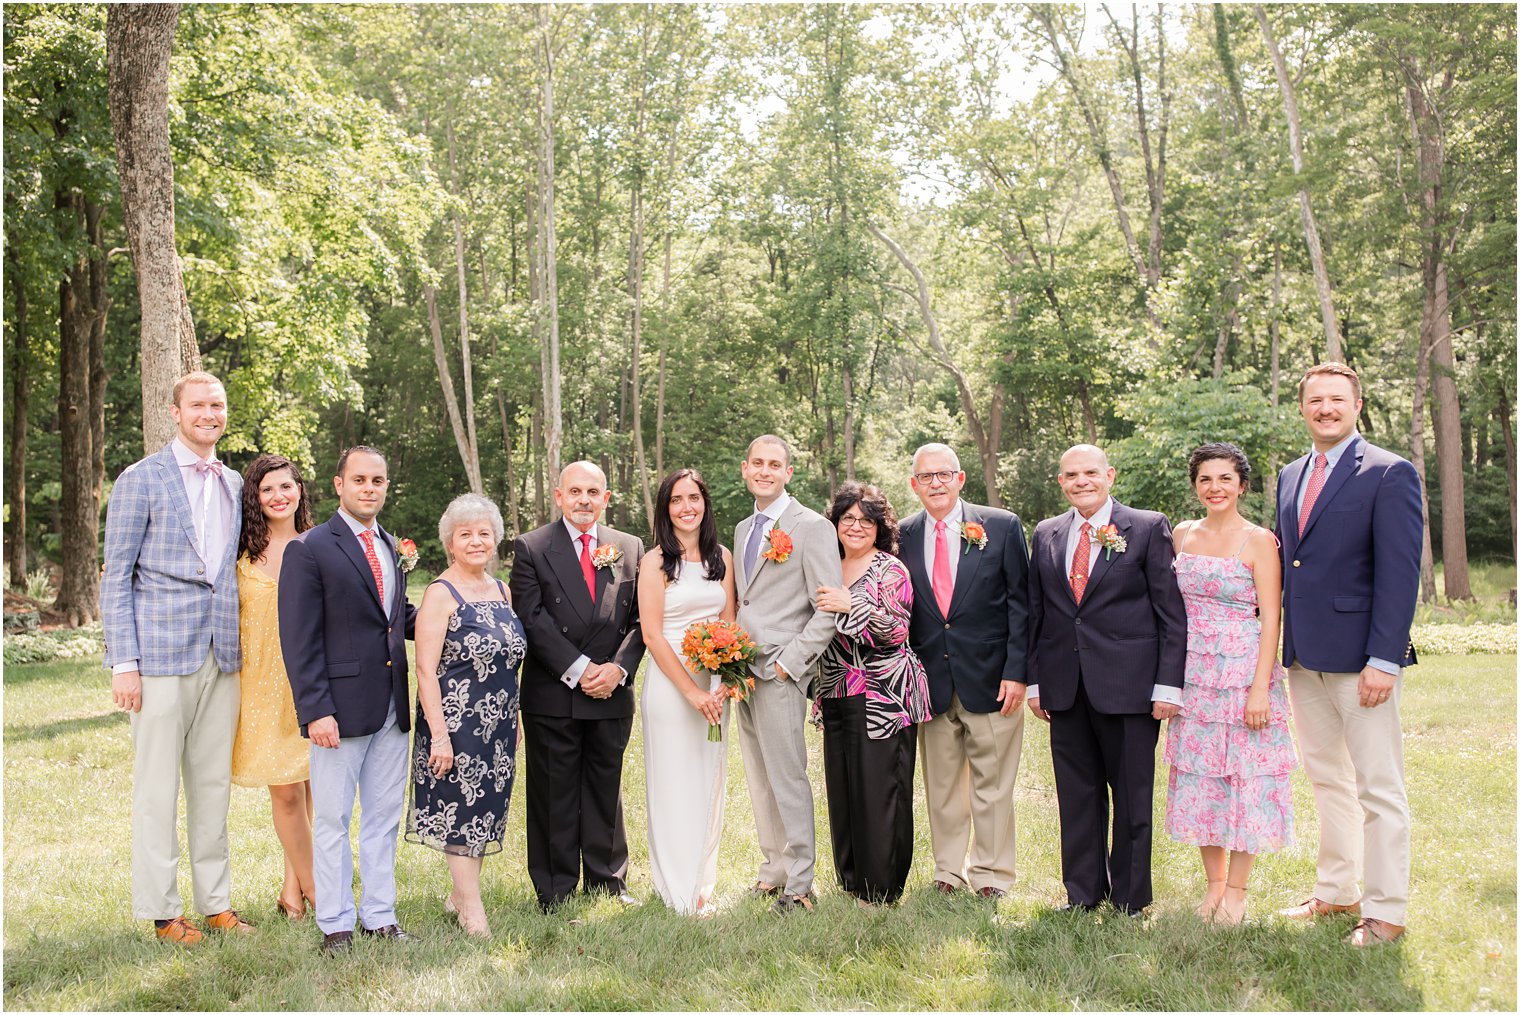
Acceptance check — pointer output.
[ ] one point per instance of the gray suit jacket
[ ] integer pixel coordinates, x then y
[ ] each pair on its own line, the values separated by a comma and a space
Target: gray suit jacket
160, 603
776, 603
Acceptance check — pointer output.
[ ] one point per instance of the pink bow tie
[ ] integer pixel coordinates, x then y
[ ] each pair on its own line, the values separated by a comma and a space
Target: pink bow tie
212, 467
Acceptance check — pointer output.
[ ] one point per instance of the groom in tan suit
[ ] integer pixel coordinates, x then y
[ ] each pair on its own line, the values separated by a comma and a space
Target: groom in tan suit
785, 552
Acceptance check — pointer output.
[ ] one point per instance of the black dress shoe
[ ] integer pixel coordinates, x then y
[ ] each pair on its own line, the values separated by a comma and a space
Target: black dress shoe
337, 941
1076, 907
390, 930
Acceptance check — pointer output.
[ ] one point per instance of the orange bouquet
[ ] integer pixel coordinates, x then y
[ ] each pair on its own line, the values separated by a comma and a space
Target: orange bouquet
724, 648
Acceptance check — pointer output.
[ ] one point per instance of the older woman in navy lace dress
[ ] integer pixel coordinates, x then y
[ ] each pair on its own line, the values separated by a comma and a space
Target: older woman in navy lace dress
871, 695
469, 647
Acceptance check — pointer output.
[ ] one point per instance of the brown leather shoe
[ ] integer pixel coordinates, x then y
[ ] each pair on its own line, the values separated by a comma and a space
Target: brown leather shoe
228, 921
179, 931
1318, 909
944, 887
1370, 932
989, 892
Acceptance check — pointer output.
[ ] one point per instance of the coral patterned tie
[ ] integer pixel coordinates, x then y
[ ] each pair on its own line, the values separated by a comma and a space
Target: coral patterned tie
940, 580
586, 568
1311, 492
374, 561
1079, 562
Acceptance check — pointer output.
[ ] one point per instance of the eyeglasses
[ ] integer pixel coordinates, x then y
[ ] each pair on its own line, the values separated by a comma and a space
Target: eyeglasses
944, 476
852, 522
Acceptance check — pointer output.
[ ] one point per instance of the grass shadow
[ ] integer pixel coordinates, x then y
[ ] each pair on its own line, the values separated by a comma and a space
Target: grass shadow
21, 732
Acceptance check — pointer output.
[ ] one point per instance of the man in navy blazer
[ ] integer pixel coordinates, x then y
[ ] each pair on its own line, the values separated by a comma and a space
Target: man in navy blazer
1107, 645
1351, 529
969, 568
344, 621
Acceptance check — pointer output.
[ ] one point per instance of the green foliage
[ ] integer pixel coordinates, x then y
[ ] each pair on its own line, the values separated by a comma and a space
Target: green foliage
1172, 417
52, 646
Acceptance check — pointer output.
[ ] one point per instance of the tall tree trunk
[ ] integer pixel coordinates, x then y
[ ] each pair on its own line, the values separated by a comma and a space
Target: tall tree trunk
636, 282
1417, 459
139, 38
1502, 414
1226, 56
549, 252
1274, 329
469, 451
1435, 332
20, 369
984, 448
1305, 208
659, 399
79, 589
100, 304
450, 399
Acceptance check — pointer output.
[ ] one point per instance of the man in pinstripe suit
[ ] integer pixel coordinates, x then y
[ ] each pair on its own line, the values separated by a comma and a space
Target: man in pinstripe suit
169, 607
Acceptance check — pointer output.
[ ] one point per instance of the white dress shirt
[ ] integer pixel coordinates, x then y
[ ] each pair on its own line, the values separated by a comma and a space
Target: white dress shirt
952, 539
572, 676
770, 515
1100, 518
211, 509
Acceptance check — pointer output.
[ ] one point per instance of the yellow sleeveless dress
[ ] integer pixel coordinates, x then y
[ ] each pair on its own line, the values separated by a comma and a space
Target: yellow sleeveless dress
269, 749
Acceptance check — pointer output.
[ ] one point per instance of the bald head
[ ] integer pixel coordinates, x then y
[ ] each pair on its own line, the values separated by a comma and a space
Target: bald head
582, 494
1085, 450
1086, 478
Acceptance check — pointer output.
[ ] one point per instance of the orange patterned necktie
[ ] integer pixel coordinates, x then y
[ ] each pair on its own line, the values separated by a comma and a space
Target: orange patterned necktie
1311, 492
374, 561
1080, 561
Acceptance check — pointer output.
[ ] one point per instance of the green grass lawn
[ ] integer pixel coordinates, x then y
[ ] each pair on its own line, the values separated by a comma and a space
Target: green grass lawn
70, 941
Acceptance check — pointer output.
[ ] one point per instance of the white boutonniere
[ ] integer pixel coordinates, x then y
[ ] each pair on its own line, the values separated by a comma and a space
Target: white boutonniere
606, 555
972, 534
1108, 537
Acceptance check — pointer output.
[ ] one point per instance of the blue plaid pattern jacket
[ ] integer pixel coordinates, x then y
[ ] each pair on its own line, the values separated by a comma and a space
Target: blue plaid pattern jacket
160, 603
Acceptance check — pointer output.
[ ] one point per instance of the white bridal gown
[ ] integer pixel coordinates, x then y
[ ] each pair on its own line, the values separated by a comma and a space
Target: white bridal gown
684, 772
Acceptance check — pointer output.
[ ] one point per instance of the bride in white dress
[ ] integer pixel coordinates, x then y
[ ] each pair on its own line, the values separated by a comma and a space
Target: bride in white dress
688, 577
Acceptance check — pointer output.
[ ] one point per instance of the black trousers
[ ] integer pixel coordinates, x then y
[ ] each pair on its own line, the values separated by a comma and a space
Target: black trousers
870, 791
1097, 756
575, 804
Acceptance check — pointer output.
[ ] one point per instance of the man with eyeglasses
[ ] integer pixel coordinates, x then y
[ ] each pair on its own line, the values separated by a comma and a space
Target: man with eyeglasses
969, 566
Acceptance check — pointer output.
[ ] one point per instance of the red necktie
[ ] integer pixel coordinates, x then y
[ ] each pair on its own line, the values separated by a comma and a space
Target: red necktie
1079, 562
586, 568
1311, 492
374, 561
940, 581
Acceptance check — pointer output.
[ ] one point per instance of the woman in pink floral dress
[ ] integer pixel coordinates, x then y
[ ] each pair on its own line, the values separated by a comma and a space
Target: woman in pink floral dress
1230, 749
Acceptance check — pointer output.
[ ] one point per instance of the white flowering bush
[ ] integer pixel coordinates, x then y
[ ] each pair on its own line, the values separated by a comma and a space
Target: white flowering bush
51, 646
1463, 639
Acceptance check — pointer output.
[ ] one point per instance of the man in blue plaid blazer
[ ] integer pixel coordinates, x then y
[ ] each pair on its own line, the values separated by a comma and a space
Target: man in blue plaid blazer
169, 606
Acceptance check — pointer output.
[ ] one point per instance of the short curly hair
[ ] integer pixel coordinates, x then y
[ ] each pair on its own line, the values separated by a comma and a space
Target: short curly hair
469, 507
1220, 451
873, 505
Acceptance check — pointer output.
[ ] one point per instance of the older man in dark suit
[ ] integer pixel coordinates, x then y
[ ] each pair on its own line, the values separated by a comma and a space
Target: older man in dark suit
1107, 644
573, 583
1350, 525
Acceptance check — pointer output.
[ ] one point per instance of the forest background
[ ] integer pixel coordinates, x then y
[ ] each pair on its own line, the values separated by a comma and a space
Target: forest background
493, 239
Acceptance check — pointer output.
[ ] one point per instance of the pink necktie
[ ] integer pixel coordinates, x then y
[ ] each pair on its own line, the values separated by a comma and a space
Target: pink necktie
374, 561
1311, 492
586, 568
941, 582
1080, 559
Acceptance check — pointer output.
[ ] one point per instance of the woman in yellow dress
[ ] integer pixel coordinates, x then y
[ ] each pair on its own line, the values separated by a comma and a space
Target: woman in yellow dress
269, 749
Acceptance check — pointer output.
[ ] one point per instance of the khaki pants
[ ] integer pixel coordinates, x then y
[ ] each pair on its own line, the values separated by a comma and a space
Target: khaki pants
970, 763
1354, 758
186, 726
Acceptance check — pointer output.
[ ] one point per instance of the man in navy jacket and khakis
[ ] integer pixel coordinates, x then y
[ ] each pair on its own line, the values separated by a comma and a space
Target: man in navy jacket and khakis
169, 609
1351, 528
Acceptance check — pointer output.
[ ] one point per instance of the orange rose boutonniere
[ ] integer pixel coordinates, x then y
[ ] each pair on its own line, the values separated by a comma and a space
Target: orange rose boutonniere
606, 555
972, 534
778, 546
1108, 537
406, 550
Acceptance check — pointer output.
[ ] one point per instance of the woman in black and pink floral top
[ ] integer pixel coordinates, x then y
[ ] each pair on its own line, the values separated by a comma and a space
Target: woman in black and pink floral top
871, 695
